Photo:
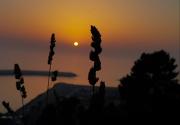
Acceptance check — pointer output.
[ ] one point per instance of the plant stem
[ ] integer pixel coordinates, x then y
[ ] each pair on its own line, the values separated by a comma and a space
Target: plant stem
48, 84
93, 87
23, 110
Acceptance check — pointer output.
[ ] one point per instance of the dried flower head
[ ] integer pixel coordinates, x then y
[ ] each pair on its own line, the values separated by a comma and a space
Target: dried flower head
51, 52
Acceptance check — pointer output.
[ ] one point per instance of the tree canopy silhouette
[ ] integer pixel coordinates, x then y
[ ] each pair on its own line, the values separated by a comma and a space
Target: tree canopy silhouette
152, 83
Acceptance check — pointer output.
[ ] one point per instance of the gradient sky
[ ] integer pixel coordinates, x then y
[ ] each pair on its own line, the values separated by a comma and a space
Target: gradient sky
128, 28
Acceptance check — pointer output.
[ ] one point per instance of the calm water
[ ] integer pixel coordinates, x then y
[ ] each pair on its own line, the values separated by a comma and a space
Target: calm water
34, 86
112, 70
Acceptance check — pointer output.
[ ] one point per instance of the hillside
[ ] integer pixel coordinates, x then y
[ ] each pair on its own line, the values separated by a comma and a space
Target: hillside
67, 90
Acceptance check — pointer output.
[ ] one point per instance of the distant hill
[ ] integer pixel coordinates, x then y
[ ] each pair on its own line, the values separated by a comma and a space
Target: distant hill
35, 107
69, 90
8, 72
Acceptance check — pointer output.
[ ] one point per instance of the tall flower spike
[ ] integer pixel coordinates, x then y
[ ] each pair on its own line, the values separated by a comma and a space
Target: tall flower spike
52, 45
94, 56
92, 77
50, 58
20, 85
20, 80
17, 71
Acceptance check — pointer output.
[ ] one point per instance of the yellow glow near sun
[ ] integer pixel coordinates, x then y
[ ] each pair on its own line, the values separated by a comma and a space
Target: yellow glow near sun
76, 43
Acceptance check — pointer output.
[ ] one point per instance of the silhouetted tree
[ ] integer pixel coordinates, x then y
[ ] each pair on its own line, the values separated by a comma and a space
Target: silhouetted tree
152, 83
50, 58
94, 56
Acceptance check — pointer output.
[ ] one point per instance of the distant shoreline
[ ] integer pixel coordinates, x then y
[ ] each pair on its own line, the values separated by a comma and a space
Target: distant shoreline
7, 72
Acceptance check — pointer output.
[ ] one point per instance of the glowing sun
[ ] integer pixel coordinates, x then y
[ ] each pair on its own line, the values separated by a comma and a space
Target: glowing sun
76, 43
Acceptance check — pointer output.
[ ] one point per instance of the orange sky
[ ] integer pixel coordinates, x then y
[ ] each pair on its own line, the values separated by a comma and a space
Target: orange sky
119, 20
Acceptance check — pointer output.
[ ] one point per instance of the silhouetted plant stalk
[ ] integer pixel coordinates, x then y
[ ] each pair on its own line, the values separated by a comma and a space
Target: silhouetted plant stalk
94, 56
53, 79
102, 89
50, 58
20, 84
7, 107
9, 110
54, 75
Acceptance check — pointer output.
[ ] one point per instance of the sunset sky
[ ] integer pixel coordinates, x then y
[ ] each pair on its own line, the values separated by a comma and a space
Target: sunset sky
128, 28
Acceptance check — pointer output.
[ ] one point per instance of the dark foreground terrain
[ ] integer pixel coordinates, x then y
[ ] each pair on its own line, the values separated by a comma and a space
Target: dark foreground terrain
75, 105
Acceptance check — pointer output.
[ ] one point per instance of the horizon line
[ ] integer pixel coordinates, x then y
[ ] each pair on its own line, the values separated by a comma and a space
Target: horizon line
10, 72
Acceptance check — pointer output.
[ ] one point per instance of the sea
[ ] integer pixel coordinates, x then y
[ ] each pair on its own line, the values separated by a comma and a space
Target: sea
112, 70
